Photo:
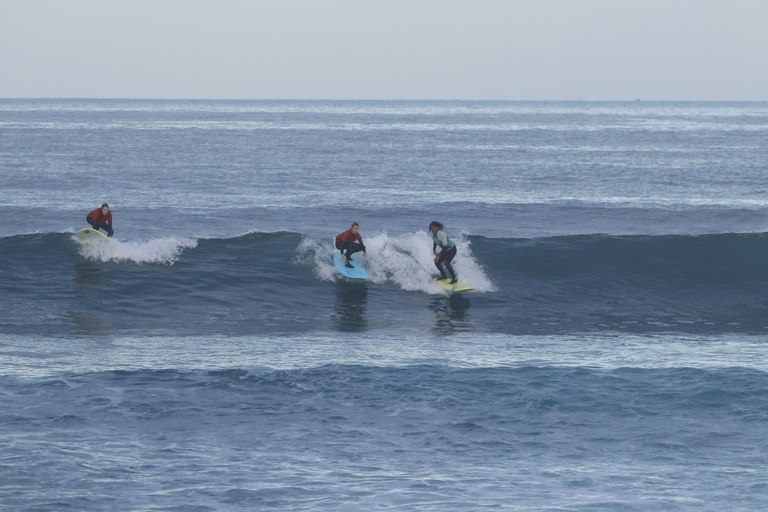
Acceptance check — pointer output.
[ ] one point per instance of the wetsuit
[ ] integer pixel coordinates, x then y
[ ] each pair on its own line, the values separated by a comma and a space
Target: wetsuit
448, 251
346, 242
98, 220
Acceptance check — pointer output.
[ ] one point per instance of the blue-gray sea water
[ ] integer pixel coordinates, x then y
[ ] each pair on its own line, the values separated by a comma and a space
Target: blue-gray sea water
612, 357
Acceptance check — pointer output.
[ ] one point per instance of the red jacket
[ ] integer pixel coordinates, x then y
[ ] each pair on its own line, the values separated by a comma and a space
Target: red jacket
347, 236
98, 217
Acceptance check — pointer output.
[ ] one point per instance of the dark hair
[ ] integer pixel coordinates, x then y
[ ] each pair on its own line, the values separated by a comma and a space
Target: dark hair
354, 224
435, 223
105, 204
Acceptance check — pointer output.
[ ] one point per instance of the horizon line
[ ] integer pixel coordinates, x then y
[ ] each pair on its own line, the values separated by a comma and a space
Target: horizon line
634, 100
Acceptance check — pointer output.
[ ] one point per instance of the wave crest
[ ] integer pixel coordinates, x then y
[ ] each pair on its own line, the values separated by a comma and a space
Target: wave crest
406, 261
161, 250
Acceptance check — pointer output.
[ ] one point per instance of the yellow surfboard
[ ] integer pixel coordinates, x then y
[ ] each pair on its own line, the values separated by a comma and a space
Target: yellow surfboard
458, 286
91, 235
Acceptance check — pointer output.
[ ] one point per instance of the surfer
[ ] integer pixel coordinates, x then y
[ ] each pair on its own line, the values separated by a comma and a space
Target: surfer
352, 242
447, 251
101, 218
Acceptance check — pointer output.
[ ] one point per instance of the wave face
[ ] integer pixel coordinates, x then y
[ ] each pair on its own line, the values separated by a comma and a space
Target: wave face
285, 282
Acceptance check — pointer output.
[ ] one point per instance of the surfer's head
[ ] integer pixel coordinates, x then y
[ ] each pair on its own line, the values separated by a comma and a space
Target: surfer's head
435, 226
354, 227
105, 209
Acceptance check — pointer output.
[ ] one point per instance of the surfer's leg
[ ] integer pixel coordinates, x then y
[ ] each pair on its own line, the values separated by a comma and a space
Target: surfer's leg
349, 247
346, 248
439, 265
352, 248
93, 223
449, 254
340, 247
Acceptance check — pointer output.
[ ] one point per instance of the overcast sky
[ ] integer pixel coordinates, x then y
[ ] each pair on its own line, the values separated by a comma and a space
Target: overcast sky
387, 49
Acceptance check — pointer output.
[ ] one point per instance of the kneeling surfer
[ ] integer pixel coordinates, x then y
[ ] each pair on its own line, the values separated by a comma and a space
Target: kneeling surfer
447, 251
101, 218
346, 241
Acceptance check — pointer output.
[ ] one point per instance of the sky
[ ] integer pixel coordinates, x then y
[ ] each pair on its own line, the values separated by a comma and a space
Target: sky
668, 50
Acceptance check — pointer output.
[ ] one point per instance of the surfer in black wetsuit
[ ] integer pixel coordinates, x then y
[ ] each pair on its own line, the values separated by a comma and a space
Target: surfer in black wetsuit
447, 251
101, 218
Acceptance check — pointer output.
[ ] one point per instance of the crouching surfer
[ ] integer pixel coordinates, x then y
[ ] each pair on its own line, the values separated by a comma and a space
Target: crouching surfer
101, 218
351, 242
447, 251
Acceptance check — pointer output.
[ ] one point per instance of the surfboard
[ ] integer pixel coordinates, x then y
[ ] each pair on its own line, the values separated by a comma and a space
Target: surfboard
458, 286
355, 273
91, 235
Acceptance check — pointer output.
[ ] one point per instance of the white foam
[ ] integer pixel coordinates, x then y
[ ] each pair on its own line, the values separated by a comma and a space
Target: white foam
317, 255
406, 260
160, 250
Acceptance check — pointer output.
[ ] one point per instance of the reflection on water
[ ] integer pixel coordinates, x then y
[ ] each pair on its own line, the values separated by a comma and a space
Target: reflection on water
87, 323
451, 314
89, 275
351, 303
91, 281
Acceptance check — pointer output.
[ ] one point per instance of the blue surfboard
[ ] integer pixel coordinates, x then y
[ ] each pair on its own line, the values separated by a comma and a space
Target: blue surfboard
355, 273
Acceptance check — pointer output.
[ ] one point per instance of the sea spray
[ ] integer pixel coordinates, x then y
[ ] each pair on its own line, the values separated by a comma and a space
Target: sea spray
405, 260
317, 255
160, 250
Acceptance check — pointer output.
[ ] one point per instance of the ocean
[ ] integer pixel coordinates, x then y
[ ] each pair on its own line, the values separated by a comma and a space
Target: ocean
612, 357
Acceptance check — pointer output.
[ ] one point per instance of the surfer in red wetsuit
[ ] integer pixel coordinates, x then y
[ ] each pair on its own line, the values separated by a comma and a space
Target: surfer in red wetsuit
101, 218
351, 242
